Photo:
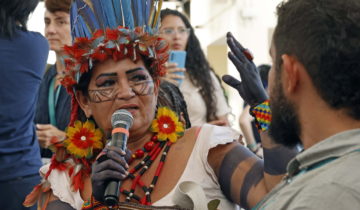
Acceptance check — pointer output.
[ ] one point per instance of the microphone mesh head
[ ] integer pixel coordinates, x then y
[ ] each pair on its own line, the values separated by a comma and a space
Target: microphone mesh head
122, 116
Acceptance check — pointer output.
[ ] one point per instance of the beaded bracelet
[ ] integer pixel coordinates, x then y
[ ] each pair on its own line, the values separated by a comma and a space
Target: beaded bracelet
262, 115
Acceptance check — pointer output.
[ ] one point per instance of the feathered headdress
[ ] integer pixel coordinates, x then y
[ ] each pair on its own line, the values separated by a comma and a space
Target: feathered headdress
116, 29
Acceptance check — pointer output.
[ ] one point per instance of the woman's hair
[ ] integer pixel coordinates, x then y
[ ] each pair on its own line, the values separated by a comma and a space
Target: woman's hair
198, 67
171, 96
14, 14
58, 5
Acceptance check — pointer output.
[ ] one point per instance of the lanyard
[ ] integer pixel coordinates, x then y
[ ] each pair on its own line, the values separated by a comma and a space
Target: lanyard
52, 100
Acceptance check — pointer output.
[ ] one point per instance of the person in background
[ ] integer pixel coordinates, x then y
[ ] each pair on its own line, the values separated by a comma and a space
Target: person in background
315, 101
53, 105
246, 121
23, 56
201, 88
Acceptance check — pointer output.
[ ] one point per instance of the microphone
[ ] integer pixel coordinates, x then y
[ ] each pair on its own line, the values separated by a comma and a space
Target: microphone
121, 121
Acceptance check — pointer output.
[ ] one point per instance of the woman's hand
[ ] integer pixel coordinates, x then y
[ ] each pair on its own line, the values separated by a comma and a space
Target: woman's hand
174, 74
221, 121
45, 132
111, 164
250, 87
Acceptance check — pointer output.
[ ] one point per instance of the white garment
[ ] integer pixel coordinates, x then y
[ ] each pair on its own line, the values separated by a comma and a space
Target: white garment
60, 184
195, 103
197, 170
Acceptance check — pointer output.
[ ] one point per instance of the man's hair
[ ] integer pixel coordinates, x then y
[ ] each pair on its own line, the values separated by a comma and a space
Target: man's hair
324, 35
58, 5
14, 14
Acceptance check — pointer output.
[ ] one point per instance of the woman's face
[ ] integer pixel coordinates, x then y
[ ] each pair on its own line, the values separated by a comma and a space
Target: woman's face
57, 30
121, 85
174, 31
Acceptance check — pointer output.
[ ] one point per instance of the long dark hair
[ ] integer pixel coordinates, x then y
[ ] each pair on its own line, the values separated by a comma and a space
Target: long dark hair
13, 14
197, 67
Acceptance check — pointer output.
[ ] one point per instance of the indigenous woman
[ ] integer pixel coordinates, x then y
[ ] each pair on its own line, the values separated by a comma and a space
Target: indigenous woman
164, 164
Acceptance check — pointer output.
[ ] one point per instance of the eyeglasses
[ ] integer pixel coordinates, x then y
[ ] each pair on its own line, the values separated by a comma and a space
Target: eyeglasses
172, 31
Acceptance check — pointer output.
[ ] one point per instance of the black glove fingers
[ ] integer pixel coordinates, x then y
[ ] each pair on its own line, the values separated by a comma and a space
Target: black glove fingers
241, 68
229, 35
114, 155
109, 165
108, 174
230, 80
237, 51
116, 149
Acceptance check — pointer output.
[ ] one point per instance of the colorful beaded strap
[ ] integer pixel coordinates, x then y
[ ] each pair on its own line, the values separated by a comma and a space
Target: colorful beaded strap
262, 115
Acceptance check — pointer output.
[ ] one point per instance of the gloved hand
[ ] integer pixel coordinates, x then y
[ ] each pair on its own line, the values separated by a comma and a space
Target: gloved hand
111, 164
250, 88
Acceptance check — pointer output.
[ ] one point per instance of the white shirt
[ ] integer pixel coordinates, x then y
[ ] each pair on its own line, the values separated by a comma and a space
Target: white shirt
196, 105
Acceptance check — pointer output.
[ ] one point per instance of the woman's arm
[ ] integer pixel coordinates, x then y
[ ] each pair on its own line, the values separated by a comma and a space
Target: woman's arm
221, 121
245, 126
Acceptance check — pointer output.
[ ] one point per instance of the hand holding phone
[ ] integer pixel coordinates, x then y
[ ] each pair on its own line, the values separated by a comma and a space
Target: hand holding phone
178, 58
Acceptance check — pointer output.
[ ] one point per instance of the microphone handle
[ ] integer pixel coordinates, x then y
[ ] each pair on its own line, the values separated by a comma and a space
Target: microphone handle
112, 190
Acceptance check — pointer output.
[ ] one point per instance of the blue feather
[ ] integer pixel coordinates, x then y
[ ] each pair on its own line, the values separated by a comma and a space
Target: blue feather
88, 15
98, 11
73, 14
117, 10
109, 14
81, 25
147, 9
127, 13
138, 12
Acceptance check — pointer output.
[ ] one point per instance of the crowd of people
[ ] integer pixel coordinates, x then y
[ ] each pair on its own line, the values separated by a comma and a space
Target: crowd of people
177, 149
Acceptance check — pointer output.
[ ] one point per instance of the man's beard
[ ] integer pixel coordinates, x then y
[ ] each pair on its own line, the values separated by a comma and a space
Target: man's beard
285, 127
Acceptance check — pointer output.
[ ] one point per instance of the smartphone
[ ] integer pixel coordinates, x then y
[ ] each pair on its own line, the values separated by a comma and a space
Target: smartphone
179, 58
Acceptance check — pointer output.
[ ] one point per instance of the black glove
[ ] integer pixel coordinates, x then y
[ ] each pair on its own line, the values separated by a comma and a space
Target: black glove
250, 88
111, 165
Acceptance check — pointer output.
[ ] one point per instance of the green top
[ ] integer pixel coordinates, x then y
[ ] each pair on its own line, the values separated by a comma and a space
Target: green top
325, 176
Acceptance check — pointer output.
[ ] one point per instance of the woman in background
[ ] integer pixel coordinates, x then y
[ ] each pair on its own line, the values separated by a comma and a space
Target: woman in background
53, 106
201, 88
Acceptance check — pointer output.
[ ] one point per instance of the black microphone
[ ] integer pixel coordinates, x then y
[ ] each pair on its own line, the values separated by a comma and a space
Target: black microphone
121, 121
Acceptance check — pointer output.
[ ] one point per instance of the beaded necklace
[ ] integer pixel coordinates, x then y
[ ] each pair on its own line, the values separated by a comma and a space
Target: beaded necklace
168, 129
140, 169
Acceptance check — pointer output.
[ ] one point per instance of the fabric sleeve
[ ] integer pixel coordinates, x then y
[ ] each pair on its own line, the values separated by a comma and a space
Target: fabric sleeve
210, 137
61, 187
221, 103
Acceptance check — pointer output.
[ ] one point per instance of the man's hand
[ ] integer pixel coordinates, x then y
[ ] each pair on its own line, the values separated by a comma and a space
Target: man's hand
250, 88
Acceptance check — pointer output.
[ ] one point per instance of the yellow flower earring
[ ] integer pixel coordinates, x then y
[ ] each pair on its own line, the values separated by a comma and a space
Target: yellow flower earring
83, 138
